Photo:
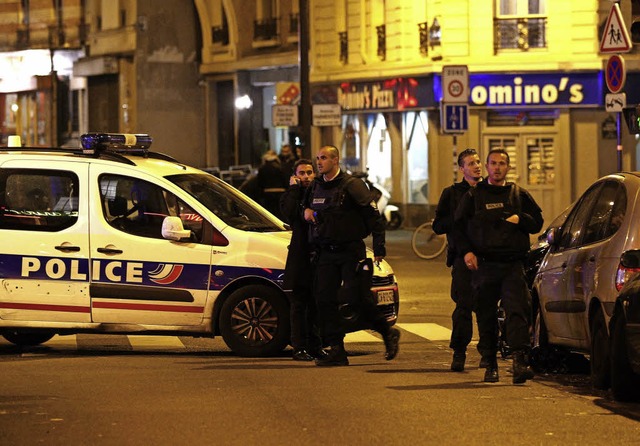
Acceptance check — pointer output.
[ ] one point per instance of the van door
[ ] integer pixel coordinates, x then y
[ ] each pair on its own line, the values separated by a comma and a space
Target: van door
44, 265
137, 276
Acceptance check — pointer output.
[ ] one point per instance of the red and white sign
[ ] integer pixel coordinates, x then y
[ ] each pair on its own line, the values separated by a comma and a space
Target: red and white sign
615, 38
455, 84
615, 73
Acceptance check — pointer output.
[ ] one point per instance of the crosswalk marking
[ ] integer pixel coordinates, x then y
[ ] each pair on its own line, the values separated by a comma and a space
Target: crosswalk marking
361, 336
66, 341
433, 332
427, 331
155, 342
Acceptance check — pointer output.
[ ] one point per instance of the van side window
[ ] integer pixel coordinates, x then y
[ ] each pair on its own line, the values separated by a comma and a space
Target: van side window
139, 207
38, 199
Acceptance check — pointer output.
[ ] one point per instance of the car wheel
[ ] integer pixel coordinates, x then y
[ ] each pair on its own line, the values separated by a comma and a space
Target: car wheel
599, 352
254, 321
541, 353
26, 338
625, 384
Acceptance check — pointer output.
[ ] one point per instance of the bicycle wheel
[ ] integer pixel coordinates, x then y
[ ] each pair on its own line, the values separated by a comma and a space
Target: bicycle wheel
427, 244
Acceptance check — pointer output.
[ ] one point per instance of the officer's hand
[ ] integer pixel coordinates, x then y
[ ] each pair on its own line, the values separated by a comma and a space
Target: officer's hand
515, 219
308, 215
471, 261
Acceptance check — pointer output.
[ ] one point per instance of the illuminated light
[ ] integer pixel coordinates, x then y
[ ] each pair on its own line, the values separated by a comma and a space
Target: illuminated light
15, 107
244, 102
14, 141
118, 142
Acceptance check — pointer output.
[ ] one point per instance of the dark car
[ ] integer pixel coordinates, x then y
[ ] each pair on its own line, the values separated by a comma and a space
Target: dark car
624, 329
576, 290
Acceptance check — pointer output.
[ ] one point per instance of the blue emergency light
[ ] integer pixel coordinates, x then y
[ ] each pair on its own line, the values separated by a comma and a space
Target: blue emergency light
116, 142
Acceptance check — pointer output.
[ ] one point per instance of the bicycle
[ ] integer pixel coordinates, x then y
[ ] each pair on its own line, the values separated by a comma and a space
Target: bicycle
427, 244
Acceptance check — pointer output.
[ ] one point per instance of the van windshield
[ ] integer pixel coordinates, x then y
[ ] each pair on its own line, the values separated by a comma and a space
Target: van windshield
227, 203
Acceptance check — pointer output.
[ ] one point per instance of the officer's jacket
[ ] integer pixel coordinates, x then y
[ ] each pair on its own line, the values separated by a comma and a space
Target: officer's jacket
445, 213
298, 267
480, 224
345, 212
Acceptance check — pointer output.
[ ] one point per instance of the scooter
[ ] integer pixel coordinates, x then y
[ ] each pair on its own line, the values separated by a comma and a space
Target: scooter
382, 196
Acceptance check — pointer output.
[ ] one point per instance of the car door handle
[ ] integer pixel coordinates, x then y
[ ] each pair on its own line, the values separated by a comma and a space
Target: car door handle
109, 251
67, 248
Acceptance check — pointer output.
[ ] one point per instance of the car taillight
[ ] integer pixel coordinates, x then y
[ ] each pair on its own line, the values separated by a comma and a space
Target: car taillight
624, 274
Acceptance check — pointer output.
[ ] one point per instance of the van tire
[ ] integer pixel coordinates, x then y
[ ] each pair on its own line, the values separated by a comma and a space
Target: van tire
254, 321
26, 338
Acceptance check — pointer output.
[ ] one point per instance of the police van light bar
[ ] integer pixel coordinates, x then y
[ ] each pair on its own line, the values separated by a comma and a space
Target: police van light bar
116, 142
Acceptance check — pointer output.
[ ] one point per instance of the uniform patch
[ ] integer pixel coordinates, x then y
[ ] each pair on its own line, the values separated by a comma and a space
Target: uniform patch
494, 205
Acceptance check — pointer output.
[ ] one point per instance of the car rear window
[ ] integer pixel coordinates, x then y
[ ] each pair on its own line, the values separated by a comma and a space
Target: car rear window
38, 199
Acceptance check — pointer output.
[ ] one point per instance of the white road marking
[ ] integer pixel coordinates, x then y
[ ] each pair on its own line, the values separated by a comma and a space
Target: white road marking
432, 332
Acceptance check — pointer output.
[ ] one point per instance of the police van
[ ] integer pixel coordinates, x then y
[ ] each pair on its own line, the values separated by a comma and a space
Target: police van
114, 238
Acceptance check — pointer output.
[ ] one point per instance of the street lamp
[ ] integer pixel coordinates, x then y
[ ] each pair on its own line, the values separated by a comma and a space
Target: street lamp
243, 102
434, 33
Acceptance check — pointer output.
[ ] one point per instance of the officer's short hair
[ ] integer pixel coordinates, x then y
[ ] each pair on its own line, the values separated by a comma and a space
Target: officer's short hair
501, 151
465, 153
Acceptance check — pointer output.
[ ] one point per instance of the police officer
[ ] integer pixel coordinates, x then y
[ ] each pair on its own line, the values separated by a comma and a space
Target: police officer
461, 292
305, 339
492, 226
342, 212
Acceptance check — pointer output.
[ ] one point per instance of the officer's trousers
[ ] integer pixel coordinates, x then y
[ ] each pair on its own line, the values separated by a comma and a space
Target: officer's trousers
463, 296
494, 281
336, 267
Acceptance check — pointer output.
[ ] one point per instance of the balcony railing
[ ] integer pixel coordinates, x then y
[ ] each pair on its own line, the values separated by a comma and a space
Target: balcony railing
220, 35
520, 33
381, 32
423, 32
344, 47
265, 30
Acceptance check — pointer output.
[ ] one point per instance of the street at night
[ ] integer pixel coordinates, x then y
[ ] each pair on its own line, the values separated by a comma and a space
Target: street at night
91, 389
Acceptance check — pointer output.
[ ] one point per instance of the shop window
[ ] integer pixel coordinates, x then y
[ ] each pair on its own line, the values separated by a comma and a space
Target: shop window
378, 162
417, 125
541, 160
520, 25
351, 150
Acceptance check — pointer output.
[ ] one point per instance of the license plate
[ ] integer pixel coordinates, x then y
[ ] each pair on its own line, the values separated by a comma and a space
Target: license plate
385, 297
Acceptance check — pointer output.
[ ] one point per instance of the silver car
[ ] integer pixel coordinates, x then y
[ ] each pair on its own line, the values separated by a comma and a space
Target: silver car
576, 288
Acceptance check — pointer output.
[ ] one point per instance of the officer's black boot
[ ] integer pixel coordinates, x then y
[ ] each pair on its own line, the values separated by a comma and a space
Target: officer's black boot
491, 373
391, 343
336, 356
521, 369
459, 357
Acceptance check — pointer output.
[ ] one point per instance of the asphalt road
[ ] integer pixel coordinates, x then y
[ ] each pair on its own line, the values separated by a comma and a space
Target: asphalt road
128, 390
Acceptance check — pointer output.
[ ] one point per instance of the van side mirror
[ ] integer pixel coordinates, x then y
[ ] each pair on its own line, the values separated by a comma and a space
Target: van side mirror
172, 229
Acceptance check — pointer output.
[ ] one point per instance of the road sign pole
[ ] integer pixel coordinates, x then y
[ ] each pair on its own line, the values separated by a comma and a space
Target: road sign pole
619, 140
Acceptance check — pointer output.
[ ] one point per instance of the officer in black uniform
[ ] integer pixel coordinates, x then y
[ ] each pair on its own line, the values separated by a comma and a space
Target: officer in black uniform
492, 227
461, 292
342, 213
298, 277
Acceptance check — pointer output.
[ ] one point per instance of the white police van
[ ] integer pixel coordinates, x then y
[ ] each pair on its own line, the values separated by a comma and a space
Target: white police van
114, 238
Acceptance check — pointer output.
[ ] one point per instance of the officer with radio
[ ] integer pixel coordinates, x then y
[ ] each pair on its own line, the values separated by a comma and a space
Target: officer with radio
492, 226
341, 213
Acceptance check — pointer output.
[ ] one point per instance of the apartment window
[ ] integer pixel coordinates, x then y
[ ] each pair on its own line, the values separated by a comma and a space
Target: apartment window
344, 47
220, 26
520, 25
265, 27
381, 32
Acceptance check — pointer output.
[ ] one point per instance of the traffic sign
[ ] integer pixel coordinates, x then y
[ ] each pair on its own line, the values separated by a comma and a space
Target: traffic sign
615, 38
615, 73
455, 118
455, 84
284, 115
615, 102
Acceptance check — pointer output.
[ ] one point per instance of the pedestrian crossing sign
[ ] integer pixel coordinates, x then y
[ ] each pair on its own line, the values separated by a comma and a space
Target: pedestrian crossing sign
615, 37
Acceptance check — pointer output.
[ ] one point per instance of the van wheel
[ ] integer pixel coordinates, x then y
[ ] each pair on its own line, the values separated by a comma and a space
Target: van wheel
599, 352
254, 321
26, 338
625, 384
